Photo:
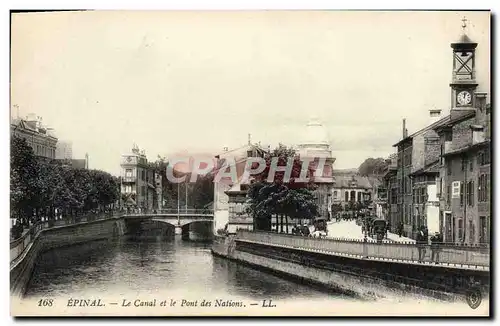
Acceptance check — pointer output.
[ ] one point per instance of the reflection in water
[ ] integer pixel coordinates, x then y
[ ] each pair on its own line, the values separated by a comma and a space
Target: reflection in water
152, 265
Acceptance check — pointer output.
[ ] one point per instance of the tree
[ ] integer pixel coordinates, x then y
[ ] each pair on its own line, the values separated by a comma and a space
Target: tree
372, 166
202, 192
39, 187
280, 197
25, 185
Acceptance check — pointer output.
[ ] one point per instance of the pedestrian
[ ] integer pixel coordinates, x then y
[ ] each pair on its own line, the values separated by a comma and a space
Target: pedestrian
422, 242
400, 229
436, 242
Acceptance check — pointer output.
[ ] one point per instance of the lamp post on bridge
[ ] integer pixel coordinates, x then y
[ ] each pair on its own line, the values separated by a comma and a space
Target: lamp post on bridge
186, 196
178, 205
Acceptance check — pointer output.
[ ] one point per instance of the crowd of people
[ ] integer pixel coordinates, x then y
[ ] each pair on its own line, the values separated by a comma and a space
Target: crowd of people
424, 242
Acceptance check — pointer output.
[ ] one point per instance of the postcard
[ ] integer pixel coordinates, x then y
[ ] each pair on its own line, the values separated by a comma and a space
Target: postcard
250, 163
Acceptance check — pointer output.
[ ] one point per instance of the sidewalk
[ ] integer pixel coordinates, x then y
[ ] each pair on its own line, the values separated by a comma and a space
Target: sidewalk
350, 230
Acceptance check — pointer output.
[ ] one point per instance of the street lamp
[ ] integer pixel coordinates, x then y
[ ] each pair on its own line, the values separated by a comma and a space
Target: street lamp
178, 205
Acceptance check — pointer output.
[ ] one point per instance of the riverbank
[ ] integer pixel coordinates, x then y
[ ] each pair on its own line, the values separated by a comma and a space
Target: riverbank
43, 239
352, 274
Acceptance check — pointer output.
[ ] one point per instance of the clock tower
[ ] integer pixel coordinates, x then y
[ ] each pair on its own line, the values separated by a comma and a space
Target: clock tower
463, 84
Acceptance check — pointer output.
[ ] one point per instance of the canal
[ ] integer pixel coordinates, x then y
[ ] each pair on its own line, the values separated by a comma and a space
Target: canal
148, 266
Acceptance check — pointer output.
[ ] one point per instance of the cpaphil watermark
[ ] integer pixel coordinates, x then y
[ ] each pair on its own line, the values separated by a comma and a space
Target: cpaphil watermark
232, 171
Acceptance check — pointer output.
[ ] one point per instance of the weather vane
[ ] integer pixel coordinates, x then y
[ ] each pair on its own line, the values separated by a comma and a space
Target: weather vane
464, 23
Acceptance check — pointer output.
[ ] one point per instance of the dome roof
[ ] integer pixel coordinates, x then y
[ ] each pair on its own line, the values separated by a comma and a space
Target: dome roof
315, 134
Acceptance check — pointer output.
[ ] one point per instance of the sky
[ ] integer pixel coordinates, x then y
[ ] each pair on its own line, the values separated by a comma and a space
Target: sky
200, 81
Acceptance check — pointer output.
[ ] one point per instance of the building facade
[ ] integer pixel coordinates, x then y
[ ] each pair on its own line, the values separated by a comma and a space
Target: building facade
315, 145
221, 203
64, 150
391, 184
138, 188
351, 188
465, 178
443, 170
38, 137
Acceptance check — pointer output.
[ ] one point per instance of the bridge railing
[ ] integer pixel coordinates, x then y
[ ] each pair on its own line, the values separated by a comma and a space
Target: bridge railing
181, 212
448, 255
19, 245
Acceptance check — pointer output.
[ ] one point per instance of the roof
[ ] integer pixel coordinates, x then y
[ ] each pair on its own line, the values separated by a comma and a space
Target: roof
467, 148
464, 42
344, 181
456, 117
31, 126
432, 168
431, 126
242, 148
375, 181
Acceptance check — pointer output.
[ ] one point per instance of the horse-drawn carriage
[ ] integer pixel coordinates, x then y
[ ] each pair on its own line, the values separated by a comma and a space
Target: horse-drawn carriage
375, 227
379, 229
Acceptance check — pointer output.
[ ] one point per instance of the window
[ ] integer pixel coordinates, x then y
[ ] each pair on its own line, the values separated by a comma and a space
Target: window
471, 232
487, 187
128, 189
394, 195
470, 193
143, 190
461, 193
460, 229
480, 158
471, 165
448, 167
128, 173
448, 136
483, 230
448, 194
335, 194
441, 158
464, 163
486, 157
346, 196
481, 188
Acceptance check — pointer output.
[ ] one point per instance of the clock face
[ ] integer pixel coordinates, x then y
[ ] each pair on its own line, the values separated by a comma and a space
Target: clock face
464, 98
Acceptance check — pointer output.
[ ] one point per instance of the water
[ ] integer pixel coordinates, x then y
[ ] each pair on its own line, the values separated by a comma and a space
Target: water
164, 269
153, 266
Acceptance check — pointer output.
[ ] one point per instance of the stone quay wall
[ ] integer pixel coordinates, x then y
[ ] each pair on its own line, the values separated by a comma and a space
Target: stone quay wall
351, 274
58, 236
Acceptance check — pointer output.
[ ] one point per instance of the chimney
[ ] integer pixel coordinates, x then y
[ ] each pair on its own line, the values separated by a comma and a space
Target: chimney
405, 131
477, 134
480, 100
434, 116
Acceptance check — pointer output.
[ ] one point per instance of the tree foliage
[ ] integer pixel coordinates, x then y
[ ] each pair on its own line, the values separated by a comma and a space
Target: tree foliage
199, 194
281, 198
39, 187
372, 166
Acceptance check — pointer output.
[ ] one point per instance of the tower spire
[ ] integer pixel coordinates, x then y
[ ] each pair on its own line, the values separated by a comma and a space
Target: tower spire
464, 24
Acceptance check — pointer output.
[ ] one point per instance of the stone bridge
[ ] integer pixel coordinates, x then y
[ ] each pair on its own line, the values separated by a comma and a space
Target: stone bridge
174, 217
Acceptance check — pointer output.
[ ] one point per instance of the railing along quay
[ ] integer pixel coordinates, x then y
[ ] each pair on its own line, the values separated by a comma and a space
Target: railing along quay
449, 255
19, 245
